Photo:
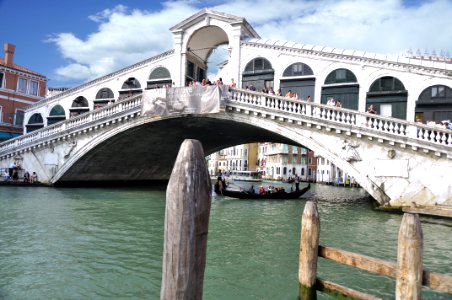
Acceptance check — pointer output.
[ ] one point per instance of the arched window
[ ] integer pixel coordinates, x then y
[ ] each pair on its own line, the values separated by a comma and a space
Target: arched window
104, 97
298, 69
298, 78
342, 85
131, 83
388, 96
105, 93
80, 101
387, 84
35, 122
434, 104
340, 76
130, 87
258, 65
159, 77
258, 74
57, 114
79, 106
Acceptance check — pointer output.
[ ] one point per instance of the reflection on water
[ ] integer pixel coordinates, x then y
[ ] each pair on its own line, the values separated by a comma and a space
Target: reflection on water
107, 243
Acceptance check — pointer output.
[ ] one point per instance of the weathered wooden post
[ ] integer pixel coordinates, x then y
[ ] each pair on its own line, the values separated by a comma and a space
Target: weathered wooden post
409, 258
309, 246
188, 200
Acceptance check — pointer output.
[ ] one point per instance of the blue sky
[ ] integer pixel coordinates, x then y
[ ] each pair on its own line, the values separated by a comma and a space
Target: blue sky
72, 42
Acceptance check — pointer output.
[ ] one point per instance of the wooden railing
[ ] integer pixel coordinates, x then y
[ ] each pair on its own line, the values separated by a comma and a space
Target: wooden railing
408, 270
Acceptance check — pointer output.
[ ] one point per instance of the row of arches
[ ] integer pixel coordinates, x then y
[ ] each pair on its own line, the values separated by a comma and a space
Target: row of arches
159, 77
387, 94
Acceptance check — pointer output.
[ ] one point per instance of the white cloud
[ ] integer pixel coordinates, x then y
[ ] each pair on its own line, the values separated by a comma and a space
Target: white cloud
126, 36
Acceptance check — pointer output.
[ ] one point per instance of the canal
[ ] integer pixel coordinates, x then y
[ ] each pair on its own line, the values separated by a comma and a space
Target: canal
107, 243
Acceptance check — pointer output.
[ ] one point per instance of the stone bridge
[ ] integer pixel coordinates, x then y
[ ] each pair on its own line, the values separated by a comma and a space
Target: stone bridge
137, 139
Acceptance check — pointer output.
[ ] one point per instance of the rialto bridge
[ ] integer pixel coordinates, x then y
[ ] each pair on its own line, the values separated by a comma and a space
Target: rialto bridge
114, 129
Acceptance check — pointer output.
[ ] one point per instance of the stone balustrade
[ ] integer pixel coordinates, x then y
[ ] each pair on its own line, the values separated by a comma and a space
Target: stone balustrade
324, 113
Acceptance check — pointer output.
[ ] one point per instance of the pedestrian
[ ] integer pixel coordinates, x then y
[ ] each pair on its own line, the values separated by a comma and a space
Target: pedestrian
371, 109
297, 183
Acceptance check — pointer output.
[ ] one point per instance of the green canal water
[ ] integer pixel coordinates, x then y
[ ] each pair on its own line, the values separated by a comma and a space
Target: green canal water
107, 243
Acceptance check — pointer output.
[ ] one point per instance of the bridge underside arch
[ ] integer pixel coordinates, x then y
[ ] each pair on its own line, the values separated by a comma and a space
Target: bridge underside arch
147, 152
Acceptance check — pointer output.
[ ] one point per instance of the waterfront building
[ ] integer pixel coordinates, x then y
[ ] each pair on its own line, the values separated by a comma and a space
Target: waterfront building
281, 161
19, 88
217, 162
329, 173
312, 166
241, 157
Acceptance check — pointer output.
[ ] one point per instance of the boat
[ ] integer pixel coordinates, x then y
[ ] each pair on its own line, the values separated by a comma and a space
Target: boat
277, 194
253, 176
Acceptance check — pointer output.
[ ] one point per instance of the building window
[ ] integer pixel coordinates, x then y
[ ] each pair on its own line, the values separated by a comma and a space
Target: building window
2, 77
33, 88
22, 86
438, 91
19, 117
1, 114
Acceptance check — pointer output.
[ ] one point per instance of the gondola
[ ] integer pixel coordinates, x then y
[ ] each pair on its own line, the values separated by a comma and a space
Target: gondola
268, 195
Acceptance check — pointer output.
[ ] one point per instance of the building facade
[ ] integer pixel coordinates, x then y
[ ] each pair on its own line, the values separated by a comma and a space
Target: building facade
19, 88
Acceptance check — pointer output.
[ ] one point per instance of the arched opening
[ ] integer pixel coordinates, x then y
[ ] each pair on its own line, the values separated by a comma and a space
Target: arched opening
299, 78
56, 114
159, 77
200, 47
258, 74
388, 96
104, 97
35, 122
341, 84
434, 104
131, 87
79, 106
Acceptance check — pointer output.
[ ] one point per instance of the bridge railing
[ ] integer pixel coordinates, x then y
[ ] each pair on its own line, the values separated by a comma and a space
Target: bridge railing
430, 134
83, 119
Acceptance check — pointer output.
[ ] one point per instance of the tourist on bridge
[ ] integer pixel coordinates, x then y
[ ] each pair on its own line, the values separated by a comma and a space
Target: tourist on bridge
371, 109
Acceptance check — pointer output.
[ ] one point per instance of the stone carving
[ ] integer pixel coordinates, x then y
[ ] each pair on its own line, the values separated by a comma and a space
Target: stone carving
391, 153
350, 153
69, 147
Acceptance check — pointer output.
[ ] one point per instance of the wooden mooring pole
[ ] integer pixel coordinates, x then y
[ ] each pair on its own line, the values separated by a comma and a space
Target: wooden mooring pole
309, 245
409, 259
188, 201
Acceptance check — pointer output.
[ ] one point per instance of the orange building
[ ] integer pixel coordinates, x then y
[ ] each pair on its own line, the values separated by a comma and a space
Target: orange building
19, 88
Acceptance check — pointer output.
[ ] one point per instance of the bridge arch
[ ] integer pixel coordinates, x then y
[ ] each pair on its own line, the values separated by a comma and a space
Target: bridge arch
57, 114
435, 104
299, 78
199, 47
341, 84
389, 97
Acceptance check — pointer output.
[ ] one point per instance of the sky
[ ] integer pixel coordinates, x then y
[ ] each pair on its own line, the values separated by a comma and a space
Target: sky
72, 42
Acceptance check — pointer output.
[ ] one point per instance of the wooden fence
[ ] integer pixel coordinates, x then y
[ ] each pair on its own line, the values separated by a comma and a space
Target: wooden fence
407, 271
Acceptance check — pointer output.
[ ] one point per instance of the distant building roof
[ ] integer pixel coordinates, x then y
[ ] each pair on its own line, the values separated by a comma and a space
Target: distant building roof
19, 68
